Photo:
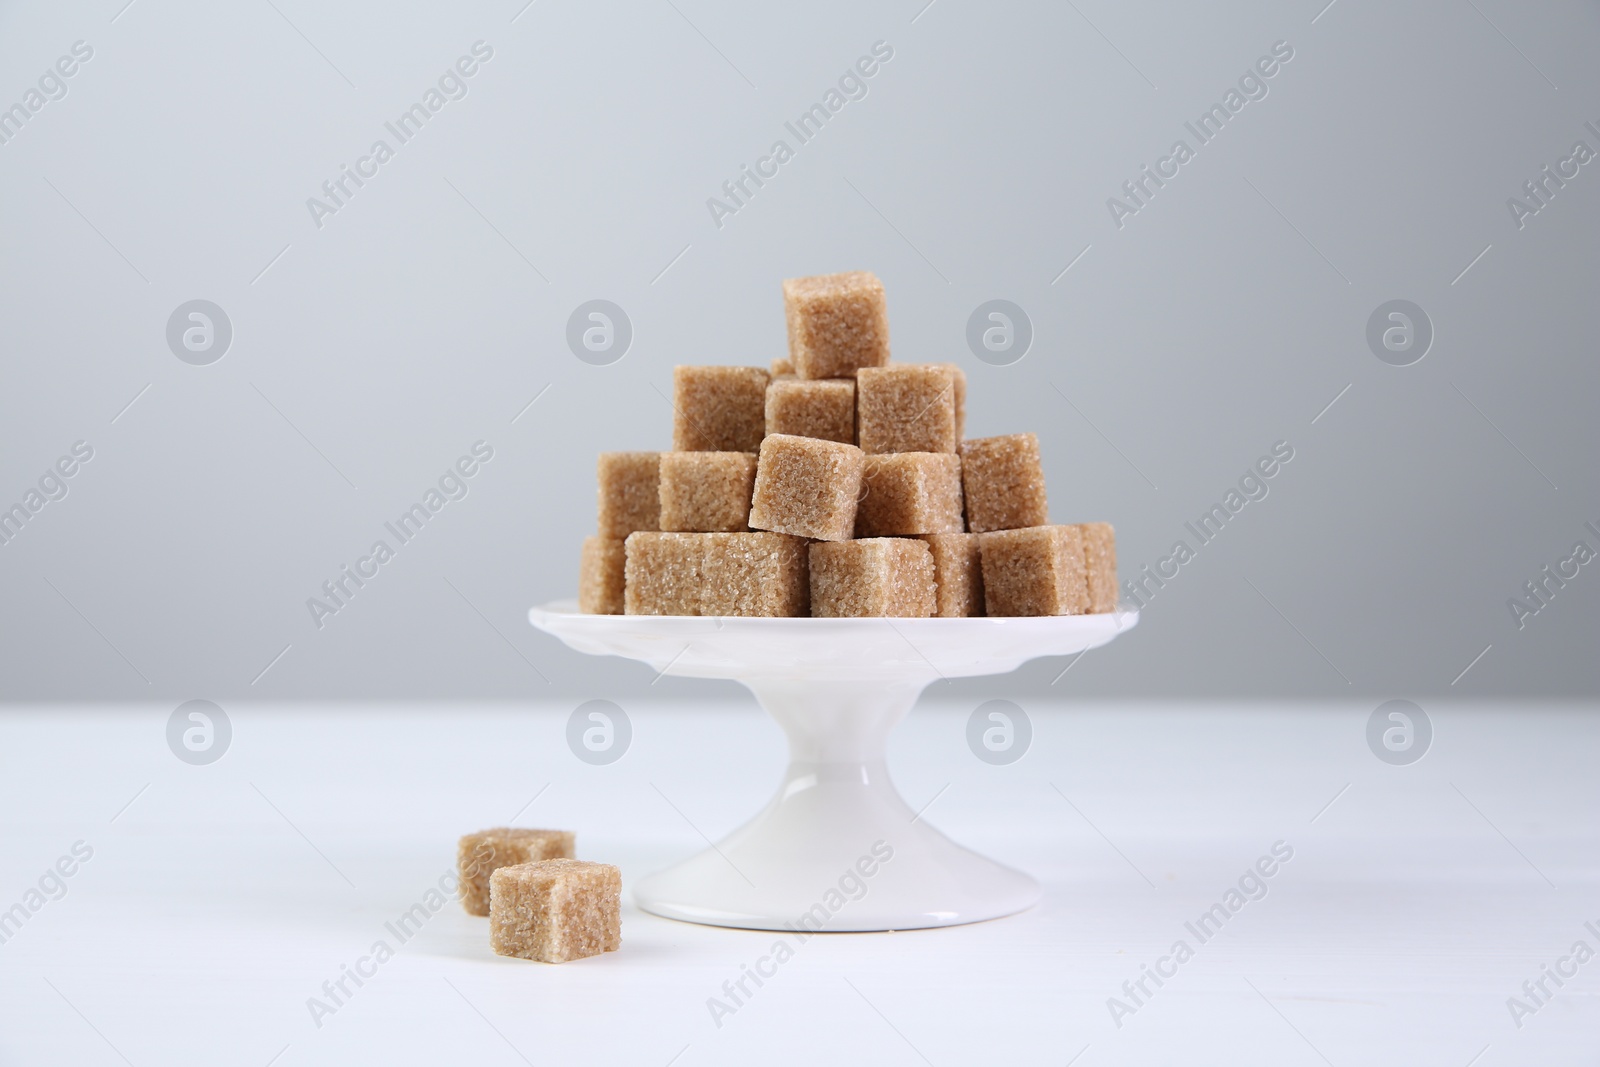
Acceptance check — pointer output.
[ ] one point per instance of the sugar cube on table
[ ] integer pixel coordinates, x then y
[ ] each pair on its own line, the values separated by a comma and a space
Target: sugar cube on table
807, 487
629, 492
872, 577
958, 572
1004, 483
906, 407
825, 408
782, 367
716, 574
1037, 570
556, 910
600, 576
837, 324
1100, 560
909, 493
719, 409
479, 855
706, 492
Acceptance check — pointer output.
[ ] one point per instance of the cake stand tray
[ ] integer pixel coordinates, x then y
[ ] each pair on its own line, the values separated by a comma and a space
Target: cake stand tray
836, 848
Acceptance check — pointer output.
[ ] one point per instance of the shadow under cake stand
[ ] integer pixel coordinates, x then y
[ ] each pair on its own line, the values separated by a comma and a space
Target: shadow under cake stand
837, 687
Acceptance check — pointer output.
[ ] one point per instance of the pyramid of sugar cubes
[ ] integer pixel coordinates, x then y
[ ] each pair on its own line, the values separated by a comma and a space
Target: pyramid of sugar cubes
837, 484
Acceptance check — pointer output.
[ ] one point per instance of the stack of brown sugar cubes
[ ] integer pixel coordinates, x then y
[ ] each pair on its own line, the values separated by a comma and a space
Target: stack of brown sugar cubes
838, 484
542, 903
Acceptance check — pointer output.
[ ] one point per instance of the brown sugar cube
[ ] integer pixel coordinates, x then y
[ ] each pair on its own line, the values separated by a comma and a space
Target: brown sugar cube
719, 409
1100, 560
629, 493
556, 910
1034, 571
716, 574
909, 493
479, 855
600, 574
706, 492
872, 577
958, 570
906, 407
1004, 483
838, 323
783, 368
807, 487
961, 398
824, 409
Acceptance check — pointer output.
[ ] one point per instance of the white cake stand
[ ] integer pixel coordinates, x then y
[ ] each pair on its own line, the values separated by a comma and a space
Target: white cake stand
837, 687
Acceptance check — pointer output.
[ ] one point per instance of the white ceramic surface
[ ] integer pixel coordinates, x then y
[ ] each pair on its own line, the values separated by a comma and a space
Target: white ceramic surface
836, 848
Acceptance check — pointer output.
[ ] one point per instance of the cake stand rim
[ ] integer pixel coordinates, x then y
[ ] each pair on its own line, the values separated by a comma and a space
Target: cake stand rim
567, 610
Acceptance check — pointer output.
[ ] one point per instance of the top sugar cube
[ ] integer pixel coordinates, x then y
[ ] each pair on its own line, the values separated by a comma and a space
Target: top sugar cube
719, 409
838, 323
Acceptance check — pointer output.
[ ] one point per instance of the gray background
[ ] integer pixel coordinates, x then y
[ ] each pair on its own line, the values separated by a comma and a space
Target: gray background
370, 353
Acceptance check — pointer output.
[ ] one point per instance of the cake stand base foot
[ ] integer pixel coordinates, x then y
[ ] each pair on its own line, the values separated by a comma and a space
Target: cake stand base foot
836, 850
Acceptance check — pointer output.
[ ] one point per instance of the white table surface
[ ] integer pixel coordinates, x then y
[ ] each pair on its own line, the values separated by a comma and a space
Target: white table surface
223, 896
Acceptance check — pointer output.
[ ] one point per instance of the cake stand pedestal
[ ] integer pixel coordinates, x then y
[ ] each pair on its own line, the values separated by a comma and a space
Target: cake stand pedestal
836, 848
